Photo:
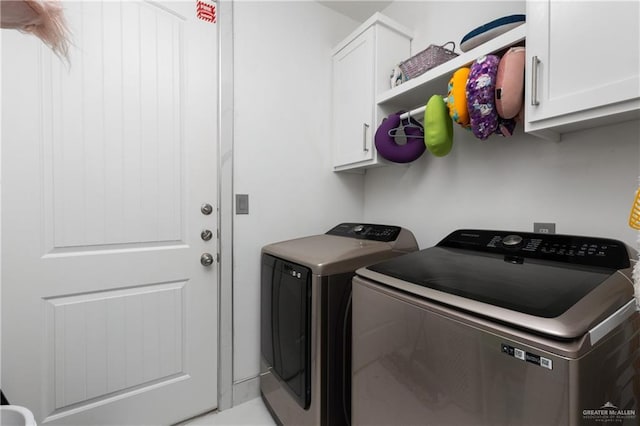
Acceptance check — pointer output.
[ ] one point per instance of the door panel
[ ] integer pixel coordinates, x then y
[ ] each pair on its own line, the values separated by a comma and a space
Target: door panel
353, 80
108, 317
117, 172
115, 340
563, 87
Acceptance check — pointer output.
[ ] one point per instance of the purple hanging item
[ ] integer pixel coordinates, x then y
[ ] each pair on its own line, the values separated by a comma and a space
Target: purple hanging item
506, 126
390, 149
481, 87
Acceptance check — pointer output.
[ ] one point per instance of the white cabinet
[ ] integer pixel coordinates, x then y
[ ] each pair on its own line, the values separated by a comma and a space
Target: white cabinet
362, 65
583, 65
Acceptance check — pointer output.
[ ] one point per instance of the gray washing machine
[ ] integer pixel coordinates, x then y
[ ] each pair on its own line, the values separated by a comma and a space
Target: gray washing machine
498, 328
306, 319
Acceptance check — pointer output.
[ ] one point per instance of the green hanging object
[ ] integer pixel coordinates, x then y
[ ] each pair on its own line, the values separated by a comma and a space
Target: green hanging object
438, 127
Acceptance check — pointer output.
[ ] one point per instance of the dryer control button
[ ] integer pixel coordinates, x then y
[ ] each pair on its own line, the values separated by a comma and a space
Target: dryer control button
512, 240
358, 229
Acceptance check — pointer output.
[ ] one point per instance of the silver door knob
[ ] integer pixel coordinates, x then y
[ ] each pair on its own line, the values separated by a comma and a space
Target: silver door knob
206, 259
206, 235
206, 209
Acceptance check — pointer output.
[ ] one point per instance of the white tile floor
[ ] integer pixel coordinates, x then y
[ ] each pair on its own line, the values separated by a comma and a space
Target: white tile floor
250, 413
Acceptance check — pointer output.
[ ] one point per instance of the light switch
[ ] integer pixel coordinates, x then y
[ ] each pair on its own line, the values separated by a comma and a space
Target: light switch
242, 203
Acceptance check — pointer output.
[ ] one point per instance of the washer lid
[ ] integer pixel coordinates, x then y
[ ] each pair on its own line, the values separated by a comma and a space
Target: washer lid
559, 295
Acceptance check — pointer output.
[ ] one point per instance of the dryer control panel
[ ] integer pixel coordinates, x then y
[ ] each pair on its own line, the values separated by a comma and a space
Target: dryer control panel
516, 246
366, 231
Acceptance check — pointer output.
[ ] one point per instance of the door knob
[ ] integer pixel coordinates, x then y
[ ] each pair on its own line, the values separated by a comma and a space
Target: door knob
206, 259
206, 234
206, 209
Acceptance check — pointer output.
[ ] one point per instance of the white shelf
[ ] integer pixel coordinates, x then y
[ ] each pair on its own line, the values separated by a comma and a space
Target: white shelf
417, 91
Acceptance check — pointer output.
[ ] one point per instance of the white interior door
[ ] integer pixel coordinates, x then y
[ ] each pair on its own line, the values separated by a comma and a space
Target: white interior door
108, 315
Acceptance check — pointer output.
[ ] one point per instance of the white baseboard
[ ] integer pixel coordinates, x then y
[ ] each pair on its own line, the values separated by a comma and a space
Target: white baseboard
246, 390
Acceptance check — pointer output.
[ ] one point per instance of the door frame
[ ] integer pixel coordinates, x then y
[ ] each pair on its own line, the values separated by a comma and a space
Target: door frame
225, 204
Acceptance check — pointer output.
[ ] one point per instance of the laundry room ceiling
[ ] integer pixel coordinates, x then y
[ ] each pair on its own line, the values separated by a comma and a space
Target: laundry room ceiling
358, 10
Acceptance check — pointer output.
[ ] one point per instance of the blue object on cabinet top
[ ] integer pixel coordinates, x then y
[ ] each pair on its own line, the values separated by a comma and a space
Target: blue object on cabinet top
490, 30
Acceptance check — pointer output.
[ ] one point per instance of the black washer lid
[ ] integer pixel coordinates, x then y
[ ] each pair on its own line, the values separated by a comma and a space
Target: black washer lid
532, 288
536, 275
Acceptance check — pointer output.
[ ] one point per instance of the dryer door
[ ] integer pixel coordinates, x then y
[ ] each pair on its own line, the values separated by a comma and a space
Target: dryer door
286, 324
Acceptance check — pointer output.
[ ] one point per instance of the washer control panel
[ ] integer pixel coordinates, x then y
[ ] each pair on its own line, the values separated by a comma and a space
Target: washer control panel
366, 231
516, 246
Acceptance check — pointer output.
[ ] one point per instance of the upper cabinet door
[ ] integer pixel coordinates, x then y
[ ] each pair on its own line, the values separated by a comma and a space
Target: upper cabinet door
583, 64
353, 100
361, 67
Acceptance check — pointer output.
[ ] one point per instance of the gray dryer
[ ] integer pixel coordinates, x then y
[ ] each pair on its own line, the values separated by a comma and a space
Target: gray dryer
306, 319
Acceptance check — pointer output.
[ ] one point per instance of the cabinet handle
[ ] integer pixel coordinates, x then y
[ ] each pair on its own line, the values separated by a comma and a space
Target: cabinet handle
365, 127
534, 80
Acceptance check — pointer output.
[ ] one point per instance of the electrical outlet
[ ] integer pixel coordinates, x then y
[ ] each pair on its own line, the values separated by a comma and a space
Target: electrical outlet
544, 228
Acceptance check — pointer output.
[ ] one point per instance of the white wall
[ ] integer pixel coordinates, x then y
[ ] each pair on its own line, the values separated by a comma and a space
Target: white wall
282, 152
585, 183
437, 22
282, 158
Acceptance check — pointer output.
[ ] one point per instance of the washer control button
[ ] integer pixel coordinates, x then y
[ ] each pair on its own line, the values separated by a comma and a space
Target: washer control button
512, 241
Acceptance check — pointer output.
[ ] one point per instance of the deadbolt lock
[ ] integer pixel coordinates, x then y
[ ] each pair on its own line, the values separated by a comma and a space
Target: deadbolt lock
206, 235
206, 209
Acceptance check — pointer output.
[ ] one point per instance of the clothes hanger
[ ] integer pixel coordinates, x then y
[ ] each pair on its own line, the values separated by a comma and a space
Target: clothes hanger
406, 123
